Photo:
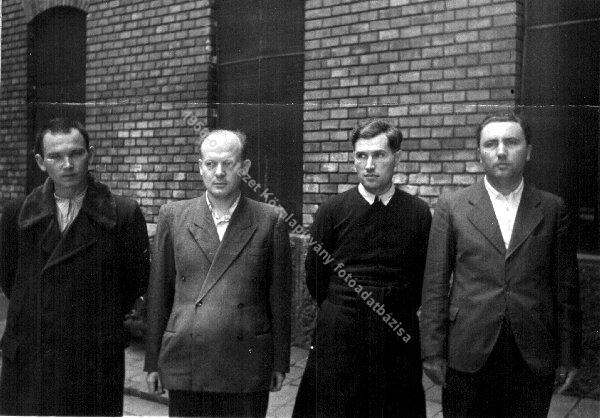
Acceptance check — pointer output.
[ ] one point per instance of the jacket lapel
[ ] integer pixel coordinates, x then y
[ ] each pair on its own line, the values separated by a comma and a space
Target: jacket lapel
204, 231
80, 235
483, 218
238, 233
528, 217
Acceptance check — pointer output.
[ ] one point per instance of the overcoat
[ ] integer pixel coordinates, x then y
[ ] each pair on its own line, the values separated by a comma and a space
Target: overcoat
534, 282
219, 312
62, 351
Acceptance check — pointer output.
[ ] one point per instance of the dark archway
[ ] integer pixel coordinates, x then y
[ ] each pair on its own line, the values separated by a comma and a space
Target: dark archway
55, 74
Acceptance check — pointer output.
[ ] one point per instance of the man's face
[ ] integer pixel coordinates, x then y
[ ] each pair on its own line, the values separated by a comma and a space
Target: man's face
503, 152
220, 164
374, 162
66, 160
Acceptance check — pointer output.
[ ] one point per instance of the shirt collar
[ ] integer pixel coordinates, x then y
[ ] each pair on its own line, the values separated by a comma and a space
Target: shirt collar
370, 197
76, 199
226, 217
514, 196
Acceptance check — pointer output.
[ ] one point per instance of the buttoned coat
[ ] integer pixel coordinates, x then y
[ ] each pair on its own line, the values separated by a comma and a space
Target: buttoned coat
219, 312
534, 282
62, 351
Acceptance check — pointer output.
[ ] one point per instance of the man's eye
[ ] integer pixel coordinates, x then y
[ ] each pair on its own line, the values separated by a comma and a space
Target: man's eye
78, 153
209, 164
53, 156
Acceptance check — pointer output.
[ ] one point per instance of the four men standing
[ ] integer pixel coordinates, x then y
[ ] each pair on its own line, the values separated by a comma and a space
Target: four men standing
499, 322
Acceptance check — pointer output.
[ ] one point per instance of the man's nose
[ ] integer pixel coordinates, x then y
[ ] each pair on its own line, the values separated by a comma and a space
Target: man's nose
501, 150
370, 165
68, 162
220, 172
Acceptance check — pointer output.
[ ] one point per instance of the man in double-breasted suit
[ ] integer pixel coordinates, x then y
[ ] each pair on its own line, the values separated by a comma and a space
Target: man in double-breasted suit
219, 295
500, 314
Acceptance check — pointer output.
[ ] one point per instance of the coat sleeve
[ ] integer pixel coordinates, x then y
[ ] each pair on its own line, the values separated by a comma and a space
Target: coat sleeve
567, 293
317, 272
436, 283
161, 288
136, 261
280, 296
8, 248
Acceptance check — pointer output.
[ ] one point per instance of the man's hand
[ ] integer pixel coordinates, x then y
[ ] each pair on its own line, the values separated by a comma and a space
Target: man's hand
276, 381
435, 369
154, 383
564, 378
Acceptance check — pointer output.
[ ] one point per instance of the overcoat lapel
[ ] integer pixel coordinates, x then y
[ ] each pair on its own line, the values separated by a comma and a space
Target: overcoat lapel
483, 218
238, 233
204, 231
79, 236
528, 217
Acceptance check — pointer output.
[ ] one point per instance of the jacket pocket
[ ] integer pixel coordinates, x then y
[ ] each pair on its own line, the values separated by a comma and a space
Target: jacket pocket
9, 347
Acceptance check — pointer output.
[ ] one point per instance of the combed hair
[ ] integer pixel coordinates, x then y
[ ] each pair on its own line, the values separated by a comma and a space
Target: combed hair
378, 127
505, 116
59, 126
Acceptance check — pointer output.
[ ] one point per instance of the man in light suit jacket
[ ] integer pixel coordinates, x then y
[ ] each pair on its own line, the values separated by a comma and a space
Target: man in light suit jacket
500, 320
219, 294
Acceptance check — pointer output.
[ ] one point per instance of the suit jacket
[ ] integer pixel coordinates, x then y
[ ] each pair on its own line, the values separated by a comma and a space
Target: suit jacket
219, 312
68, 295
535, 282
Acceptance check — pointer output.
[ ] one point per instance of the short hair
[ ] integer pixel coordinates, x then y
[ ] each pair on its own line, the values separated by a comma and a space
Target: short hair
239, 134
59, 126
505, 116
375, 128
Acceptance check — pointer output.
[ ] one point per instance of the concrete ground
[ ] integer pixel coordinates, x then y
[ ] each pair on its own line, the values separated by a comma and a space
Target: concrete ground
281, 404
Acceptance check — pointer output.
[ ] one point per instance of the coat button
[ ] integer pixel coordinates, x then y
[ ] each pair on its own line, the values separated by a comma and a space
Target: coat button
240, 305
183, 278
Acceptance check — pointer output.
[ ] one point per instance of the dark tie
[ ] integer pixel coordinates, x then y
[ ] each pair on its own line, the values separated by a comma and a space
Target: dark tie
378, 204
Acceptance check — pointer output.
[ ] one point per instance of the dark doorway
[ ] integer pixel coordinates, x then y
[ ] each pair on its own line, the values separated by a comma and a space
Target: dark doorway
55, 74
260, 73
561, 70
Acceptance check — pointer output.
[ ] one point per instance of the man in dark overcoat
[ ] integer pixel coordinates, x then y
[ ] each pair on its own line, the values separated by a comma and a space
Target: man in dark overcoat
364, 267
73, 259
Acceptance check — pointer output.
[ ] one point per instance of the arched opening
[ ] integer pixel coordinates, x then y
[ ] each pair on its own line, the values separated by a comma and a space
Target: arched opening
55, 74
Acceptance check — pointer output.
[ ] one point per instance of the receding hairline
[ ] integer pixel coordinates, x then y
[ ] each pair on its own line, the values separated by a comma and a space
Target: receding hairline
226, 134
73, 130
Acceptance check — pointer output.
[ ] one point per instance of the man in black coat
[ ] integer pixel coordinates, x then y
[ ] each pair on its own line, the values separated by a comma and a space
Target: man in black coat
73, 259
364, 267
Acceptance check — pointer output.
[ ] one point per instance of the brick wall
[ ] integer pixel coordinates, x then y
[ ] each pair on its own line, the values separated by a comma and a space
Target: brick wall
149, 65
13, 110
148, 84
433, 67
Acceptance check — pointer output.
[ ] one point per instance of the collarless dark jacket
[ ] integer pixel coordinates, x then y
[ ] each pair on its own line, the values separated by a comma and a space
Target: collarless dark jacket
534, 282
68, 294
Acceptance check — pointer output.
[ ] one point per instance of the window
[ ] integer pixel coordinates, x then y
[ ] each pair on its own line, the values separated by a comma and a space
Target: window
55, 74
561, 92
259, 90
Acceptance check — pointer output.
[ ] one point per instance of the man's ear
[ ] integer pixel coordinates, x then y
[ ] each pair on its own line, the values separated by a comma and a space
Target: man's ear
529, 149
245, 166
91, 154
200, 166
40, 162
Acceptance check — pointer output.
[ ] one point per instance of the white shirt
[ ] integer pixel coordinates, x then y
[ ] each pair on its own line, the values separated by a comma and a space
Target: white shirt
370, 197
67, 209
222, 221
505, 208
